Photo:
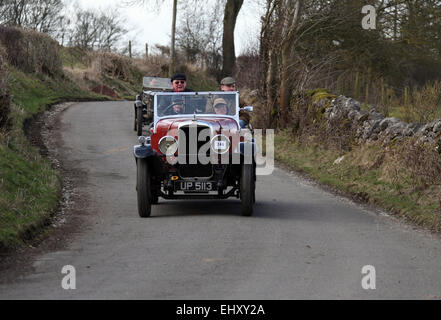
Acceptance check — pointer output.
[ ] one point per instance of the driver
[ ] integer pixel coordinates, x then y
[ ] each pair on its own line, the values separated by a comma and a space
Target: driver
177, 106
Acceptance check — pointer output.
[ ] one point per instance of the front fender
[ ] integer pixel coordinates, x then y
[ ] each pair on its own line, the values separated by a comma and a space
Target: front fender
146, 152
138, 104
143, 151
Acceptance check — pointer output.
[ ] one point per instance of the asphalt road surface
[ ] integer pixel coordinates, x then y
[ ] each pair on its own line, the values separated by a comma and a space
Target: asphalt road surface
301, 243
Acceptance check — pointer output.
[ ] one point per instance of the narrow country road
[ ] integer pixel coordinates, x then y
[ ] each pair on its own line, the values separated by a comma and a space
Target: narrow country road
301, 242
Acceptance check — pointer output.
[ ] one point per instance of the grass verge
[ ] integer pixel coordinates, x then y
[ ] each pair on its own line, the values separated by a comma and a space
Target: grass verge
367, 173
29, 188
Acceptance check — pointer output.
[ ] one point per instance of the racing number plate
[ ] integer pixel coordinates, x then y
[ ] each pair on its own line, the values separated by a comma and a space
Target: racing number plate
195, 186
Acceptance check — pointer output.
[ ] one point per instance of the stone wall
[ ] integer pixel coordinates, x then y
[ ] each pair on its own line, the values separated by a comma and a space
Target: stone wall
372, 125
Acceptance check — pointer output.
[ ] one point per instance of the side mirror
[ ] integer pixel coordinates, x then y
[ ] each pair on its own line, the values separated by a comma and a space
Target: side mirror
248, 108
138, 97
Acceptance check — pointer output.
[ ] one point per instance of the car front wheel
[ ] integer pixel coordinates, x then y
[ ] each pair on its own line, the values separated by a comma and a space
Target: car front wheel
143, 188
247, 187
136, 121
155, 197
139, 121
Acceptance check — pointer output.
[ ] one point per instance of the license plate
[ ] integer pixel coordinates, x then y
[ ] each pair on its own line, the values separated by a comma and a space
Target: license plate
195, 186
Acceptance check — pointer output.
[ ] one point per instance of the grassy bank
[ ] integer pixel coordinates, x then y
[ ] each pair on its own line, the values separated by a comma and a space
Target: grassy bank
29, 192
370, 173
29, 188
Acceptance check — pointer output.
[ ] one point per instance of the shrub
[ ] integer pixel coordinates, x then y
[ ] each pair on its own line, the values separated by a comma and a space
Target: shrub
422, 162
4, 96
248, 70
31, 51
426, 104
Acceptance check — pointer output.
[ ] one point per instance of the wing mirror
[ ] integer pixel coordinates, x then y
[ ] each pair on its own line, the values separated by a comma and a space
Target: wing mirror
248, 108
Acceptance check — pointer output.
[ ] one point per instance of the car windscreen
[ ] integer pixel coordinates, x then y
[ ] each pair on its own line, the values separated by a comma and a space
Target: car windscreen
216, 104
157, 83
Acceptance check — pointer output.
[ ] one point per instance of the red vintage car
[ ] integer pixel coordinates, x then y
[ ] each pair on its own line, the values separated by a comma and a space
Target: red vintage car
196, 149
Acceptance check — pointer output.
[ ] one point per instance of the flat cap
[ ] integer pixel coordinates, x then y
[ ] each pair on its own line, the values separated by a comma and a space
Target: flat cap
219, 101
228, 80
178, 76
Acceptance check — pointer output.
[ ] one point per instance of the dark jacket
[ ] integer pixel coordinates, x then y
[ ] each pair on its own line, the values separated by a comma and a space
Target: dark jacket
186, 90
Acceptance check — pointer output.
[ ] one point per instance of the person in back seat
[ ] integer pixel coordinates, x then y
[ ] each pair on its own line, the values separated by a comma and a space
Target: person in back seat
229, 84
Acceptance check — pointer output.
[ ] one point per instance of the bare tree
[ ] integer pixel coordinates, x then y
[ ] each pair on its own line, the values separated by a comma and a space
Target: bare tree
157, 4
290, 24
3, 11
200, 36
284, 24
43, 15
39, 15
95, 29
13, 12
232, 8
110, 30
171, 67
85, 29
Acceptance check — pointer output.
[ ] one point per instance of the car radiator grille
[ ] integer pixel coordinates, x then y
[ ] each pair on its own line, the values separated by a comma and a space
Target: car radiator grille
189, 168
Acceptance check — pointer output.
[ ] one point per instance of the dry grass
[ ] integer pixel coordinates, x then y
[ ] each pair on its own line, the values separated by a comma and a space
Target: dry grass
421, 161
89, 69
154, 65
370, 173
424, 104
114, 66
82, 77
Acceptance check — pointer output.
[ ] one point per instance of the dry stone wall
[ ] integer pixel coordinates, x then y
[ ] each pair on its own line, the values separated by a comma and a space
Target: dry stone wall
372, 125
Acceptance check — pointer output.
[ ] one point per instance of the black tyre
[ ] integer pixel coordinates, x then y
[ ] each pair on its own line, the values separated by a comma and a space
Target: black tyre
155, 197
135, 123
139, 121
254, 184
247, 187
143, 188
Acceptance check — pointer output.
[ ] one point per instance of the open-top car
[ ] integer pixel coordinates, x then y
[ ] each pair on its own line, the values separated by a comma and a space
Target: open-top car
196, 150
143, 102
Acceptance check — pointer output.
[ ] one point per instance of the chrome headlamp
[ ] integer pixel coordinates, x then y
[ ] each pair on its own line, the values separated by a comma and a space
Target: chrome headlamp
168, 145
143, 140
220, 144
